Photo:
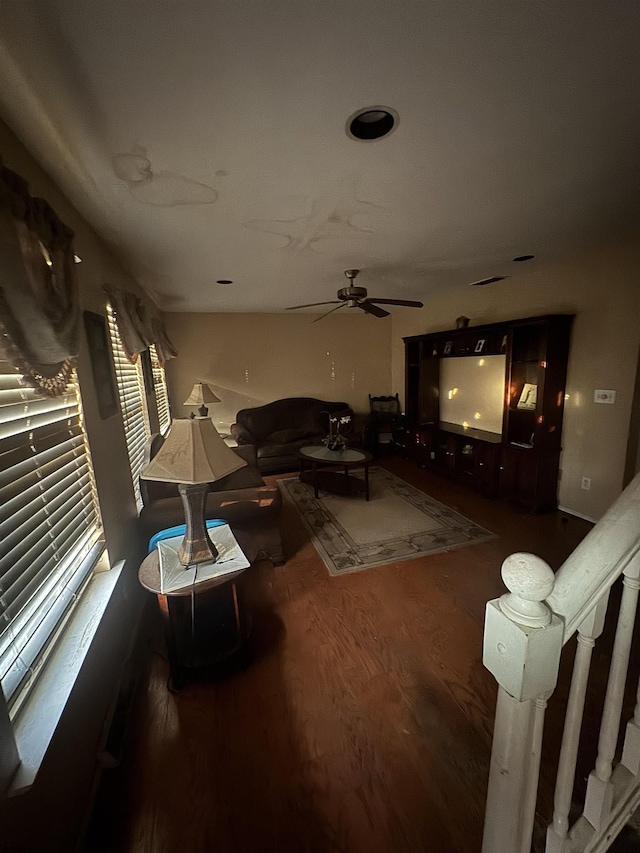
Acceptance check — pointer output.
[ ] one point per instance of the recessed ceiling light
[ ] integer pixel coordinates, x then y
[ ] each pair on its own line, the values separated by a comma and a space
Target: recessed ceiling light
524, 258
371, 123
77, 259
224, 281
484, 281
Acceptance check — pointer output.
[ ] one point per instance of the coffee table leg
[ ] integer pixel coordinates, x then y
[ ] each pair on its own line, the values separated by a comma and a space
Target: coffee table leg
314, 469
366, 480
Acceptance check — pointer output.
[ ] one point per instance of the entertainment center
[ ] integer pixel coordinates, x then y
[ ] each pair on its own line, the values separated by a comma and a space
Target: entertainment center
484, 404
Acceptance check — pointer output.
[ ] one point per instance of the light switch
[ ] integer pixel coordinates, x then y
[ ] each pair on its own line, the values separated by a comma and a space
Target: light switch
600, 396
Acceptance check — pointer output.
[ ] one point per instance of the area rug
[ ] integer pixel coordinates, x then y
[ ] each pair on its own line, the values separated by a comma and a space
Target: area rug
399, 522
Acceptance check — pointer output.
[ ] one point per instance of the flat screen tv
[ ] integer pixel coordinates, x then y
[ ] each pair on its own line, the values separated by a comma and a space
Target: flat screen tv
472, 391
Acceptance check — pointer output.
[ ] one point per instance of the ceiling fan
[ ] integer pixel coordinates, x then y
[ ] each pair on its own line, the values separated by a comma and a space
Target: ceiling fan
356, 297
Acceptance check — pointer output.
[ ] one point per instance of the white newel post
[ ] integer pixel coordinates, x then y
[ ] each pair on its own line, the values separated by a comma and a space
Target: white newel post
522, 646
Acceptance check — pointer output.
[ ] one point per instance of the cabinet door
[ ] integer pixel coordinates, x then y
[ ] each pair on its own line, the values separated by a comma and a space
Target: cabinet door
507, 474
464, 461
443, 451
412, 444
419, 442
486, 460
529, 478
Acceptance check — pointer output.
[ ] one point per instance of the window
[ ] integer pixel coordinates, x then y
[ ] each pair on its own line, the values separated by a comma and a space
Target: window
160, 391
50, 529
133, 404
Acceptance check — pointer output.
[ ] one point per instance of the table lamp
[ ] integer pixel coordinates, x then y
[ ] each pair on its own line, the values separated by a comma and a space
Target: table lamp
200, 395
193, 455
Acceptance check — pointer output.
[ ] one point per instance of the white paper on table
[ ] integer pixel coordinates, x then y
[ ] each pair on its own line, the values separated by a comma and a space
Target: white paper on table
173, 575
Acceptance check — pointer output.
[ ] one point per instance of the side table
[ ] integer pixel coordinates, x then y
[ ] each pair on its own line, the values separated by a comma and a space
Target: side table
206, 623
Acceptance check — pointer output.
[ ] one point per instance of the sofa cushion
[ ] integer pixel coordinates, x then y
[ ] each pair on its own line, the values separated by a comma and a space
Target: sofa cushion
287, 450
242, 506
286, 436
247, 477
244, 478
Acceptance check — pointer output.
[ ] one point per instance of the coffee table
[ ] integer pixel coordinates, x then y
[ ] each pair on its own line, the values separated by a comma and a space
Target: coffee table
322, 460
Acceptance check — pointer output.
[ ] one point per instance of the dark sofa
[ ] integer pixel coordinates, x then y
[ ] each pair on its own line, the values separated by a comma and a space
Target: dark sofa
242, 499
278, 429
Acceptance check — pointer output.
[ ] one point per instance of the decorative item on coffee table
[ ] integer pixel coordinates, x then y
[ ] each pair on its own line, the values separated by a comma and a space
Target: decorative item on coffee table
335, 441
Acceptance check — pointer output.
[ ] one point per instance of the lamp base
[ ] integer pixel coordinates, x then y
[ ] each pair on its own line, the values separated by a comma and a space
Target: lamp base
196, 546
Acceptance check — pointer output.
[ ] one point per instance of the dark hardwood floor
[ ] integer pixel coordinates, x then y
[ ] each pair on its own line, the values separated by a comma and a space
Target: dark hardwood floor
363, 722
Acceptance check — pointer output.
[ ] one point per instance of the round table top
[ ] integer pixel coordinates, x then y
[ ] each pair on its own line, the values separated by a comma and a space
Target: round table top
149, 572
348, 456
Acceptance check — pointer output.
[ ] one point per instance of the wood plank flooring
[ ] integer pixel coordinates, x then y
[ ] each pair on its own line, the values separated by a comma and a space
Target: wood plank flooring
363, 722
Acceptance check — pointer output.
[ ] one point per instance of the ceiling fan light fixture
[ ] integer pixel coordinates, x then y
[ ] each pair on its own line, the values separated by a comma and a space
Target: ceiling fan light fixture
371, 123
357, 297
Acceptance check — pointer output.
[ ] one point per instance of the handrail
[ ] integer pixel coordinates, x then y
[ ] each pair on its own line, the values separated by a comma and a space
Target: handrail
599, 560
525, 630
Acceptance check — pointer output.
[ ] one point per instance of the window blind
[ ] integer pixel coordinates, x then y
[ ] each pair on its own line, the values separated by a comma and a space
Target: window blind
160, 391
50, 530
133, 404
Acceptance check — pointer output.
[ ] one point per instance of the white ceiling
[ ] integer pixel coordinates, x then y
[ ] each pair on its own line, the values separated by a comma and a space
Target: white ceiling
206, 140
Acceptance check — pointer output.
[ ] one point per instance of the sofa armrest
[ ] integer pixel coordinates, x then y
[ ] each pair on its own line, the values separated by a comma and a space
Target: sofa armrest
241, 435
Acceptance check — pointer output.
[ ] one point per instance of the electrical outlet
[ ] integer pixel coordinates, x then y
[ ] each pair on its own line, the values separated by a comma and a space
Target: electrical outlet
601, 396
585, 483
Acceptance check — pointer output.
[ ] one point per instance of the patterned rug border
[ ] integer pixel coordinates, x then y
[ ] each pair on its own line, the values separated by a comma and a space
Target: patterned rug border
341, 554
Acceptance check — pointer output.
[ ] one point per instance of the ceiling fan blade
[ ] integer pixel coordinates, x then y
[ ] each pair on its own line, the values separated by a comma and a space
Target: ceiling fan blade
370, 308
337, 308
409, 302
313, 305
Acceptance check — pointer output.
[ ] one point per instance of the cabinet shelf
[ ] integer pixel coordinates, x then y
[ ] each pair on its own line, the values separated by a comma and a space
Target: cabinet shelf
522, 463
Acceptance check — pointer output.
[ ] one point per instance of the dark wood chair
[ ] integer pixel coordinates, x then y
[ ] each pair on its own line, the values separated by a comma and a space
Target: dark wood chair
384, 430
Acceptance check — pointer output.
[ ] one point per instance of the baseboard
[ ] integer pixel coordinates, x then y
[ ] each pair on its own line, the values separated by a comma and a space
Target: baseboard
577, 514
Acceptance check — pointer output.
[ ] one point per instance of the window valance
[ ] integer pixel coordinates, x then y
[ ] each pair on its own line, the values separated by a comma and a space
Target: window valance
139, 325
39, 302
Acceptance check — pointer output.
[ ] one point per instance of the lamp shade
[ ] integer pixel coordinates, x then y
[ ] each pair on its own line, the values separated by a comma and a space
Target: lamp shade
200, 395
193, 452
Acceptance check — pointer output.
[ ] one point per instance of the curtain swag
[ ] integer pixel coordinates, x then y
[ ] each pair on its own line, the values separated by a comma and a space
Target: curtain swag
138, 326
39, 301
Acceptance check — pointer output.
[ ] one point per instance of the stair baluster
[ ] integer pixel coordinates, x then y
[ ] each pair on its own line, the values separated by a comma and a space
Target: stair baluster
599, 788
588, 632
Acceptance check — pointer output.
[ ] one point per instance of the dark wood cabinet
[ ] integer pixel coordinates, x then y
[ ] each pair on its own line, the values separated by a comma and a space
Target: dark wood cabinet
468, 455
520, 463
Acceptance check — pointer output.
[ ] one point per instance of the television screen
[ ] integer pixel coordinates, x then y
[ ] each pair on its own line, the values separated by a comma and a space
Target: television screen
472, 391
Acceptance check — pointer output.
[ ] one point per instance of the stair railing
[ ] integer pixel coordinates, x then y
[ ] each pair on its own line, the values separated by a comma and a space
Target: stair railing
525, 631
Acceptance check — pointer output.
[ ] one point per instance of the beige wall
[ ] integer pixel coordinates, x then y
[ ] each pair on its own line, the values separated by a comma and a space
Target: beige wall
603, 290
50, 814
251, 359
